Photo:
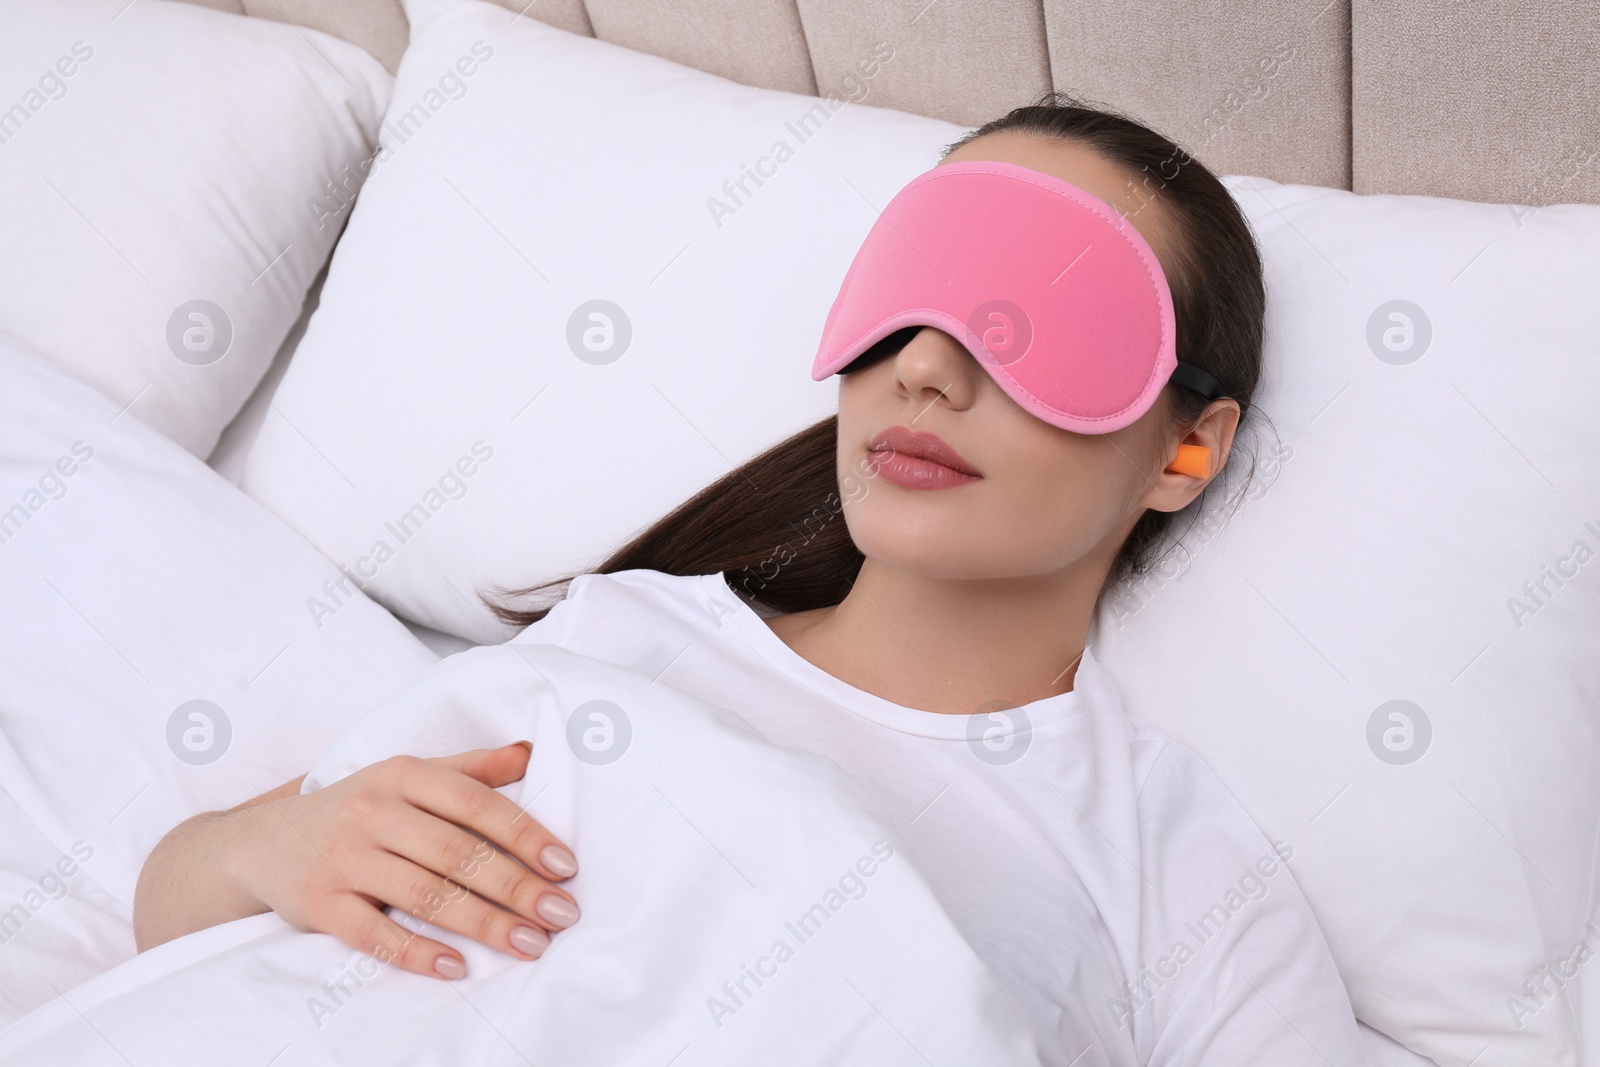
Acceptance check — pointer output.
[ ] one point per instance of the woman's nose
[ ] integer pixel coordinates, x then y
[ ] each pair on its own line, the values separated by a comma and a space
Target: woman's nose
934, 363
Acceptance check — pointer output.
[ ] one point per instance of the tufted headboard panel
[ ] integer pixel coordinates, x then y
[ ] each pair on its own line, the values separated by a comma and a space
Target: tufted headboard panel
1497, 102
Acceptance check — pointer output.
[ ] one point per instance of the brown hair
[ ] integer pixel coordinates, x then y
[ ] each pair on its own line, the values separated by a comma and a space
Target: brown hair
772, 525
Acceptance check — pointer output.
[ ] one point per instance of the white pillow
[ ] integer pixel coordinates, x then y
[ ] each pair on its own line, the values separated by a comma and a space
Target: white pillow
527, 173
158, 657
166, 170
1430, 373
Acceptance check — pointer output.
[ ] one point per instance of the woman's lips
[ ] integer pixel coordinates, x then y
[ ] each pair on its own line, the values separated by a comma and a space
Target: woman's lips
918, 459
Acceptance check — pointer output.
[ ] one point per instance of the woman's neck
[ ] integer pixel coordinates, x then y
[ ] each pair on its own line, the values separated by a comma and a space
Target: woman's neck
949, 645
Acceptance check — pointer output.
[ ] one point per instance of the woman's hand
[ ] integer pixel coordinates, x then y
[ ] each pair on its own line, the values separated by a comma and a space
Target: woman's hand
388, 834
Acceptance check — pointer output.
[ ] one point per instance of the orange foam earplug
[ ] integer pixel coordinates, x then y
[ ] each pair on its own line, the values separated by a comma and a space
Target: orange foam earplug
1194, 460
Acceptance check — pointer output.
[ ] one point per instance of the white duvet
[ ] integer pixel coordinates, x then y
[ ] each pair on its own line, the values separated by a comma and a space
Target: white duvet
742, 904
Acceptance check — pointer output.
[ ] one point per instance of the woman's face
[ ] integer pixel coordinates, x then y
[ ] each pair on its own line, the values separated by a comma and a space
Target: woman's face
1044, 499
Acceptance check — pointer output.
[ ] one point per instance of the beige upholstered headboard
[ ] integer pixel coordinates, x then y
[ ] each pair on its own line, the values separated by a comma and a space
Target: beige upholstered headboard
1494, 100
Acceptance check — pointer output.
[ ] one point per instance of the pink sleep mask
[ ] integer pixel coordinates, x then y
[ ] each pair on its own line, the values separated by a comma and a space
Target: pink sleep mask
1051, 290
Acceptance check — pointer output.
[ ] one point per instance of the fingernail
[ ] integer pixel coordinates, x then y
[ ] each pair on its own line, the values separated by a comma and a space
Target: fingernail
529, 940
557, 911
558, 861
525, 744
449, 967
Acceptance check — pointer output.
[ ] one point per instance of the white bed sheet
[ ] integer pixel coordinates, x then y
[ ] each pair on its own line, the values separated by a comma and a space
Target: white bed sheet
1386, 1052
702, 835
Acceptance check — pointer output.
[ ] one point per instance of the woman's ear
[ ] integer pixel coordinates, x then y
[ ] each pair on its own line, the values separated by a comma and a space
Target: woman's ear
1201, 453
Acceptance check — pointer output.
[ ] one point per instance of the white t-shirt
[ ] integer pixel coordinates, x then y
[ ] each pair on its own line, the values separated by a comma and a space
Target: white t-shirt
1132, 907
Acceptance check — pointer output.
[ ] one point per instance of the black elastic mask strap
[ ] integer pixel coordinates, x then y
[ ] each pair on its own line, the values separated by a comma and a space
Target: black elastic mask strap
1191, 377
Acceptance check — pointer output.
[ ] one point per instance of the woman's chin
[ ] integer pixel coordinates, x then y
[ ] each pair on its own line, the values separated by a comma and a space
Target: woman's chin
931, 553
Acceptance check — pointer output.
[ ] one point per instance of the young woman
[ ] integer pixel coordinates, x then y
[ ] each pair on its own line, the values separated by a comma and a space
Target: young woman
926, 566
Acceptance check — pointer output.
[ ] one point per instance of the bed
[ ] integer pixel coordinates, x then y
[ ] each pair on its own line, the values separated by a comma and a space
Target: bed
320, 420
